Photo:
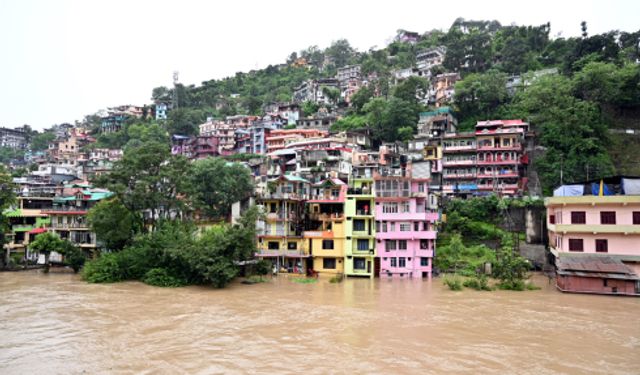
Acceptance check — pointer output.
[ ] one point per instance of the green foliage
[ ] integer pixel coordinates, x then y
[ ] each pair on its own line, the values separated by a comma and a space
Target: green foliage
510, 268
161, 277
47, 242
185, 121
453, 283
479, 96
217, 184
458, 258
336, 279
148, 177
74, 257
7, 154
478, 282
40, 141
352, 122
304, 280
113, 223
262, 268
309, 108
175, 255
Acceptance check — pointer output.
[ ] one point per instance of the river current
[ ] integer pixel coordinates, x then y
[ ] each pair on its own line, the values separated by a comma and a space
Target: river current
58, 324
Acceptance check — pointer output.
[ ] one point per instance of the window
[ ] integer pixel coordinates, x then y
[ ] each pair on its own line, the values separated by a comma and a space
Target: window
359, 263
392, 226
272, 208
402, 244
405, 227
421, 187
424, 244
425, 226
576, 244
389, 245
394, 262
363, 245
552, 219
390, 208
636, 217
578, 217
607, 217
292, 245
405, 207
327, 244
384, 226
402, 262
329, 263
359, 225
602, 246
424, 262
273, 245
416, 226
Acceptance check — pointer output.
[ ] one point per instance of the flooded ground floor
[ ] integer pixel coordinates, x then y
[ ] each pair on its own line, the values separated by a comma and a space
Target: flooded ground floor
57, 324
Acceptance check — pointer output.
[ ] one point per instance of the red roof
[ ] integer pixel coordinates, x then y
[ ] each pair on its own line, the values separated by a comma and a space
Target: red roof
37, 231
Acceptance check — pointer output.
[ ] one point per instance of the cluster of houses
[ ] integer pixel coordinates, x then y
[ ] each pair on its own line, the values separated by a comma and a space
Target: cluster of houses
332, 204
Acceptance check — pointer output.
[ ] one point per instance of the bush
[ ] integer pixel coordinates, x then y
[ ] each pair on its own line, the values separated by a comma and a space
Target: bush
336, 279
453, 283
105, 269
161, 277
479, 282
302, 280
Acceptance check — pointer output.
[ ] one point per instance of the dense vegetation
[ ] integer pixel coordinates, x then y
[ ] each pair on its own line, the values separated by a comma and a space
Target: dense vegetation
481, 220
176, 254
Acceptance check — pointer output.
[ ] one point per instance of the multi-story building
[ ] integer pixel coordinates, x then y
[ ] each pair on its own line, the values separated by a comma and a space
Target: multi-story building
427, 59
27, 220
325, 226
348, 72
69, 214
279, 139
161, 111
316, 122
459, 176
314, 91
360, 231
280, 236
405, 231
13, 138
501, 157
442, 88
594, 236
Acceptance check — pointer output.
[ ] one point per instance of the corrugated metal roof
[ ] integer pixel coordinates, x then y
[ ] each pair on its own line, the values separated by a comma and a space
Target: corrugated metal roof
606, 265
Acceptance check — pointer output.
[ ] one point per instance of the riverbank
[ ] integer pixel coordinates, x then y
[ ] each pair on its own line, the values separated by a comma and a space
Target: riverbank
58, 324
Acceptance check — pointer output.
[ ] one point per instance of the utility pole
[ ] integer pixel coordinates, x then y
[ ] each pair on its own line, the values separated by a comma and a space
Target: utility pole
175, 90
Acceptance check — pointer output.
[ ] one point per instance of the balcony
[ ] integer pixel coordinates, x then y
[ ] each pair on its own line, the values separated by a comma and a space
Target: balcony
510, 174
499, 161
326, 217
84, 226
393, 194
594, 228
298, 253
399, 216
66, 209
454, 163
409, 235
459, 175
283, 196
460, 148
514, 147
358, 191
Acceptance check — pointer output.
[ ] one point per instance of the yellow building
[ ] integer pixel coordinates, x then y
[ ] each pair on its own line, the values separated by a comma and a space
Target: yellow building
324, 232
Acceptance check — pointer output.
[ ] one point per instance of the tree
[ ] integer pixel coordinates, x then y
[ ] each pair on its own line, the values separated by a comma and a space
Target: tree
7, 198
113, 223
309, 108
478, 96
217, 184
185, 121
340, 52
40, 141
45, 243
149, 179
332, 93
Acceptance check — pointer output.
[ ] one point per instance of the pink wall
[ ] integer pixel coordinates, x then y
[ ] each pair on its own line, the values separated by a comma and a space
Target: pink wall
624, 214
617, 243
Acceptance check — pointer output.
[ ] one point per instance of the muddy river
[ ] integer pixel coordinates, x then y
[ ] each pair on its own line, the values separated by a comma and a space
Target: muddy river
57, 324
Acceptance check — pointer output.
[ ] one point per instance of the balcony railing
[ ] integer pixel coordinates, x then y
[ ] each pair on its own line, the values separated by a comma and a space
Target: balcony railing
65, 209
69, 226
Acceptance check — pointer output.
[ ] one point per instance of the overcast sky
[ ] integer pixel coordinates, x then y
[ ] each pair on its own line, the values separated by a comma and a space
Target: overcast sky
61, 60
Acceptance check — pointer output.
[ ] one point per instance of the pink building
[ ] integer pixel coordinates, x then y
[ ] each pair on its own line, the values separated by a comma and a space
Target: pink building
405, 229
594, 235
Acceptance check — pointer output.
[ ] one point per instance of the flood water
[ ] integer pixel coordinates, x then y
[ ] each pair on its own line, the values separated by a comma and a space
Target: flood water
57, 324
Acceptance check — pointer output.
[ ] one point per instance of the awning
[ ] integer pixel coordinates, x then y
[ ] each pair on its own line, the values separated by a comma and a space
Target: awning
37, 231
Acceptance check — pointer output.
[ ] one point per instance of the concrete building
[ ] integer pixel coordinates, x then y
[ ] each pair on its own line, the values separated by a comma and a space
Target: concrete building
13, 138
325, 226
280, 233
599, 220
360, 231
427, 59
405, 231
459, 164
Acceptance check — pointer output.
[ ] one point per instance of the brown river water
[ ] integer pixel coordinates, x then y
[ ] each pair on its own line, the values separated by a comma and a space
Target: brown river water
57, 324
